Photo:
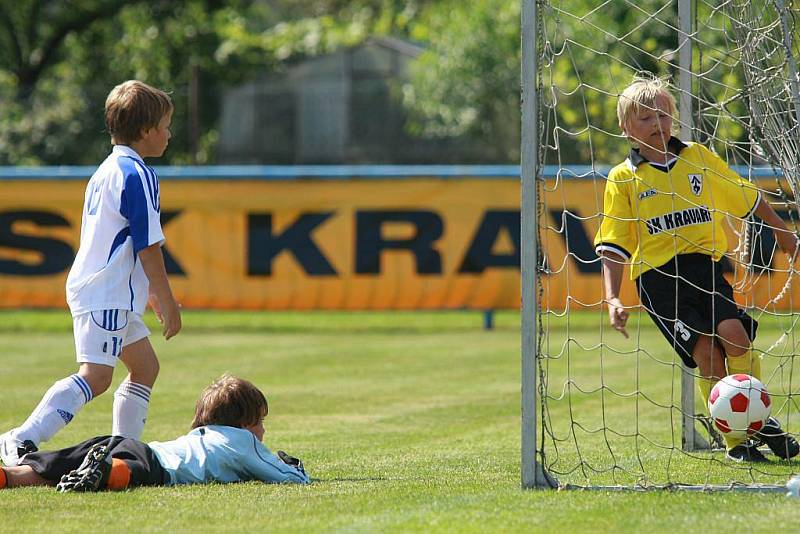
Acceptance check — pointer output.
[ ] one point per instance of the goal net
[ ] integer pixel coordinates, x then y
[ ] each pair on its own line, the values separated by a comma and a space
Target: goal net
617, 412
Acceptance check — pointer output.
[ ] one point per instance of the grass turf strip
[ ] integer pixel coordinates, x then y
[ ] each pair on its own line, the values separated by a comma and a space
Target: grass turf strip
408, 422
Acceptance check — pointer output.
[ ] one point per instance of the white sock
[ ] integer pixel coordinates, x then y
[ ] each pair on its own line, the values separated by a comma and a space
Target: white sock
131, 401
57, 408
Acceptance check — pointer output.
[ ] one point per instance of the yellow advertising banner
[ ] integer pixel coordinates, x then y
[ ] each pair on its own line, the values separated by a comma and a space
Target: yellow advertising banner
343, 244
373, 244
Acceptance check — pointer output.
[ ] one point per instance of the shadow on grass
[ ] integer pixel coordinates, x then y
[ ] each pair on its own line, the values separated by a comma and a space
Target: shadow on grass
346, 479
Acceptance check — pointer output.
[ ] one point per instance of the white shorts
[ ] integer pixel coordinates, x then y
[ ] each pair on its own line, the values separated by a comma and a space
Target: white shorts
100, 335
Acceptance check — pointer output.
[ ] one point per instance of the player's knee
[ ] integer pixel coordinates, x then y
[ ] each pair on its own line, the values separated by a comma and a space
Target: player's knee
736, 350
709, 359
737, 345
734, 337
146, 373
98, 382
154, 369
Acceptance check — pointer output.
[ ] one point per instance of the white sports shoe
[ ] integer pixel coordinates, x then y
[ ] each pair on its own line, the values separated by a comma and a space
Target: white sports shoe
12, 449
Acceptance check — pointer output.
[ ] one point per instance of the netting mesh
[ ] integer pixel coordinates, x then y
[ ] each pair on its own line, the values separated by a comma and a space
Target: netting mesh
611, 407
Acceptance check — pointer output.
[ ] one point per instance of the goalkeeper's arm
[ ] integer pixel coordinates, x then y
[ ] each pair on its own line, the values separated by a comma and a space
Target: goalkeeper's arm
613, 267
787, 240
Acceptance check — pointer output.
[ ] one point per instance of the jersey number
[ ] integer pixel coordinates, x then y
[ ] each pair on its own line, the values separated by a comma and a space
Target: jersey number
116, 346
682, 331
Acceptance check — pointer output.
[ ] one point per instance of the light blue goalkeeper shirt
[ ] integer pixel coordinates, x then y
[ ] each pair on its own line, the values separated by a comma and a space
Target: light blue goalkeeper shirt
222, 454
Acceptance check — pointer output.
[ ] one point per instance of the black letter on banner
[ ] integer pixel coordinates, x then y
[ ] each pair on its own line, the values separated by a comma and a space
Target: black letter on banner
577, 241
370, 243
172, 265
263, 246
479, 257
57, 255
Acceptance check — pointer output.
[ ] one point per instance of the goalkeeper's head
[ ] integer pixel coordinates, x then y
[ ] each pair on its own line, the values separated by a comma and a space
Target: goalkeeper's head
230, 401
645, 92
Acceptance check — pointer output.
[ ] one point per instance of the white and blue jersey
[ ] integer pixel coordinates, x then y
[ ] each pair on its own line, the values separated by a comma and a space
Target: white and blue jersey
121, 216
218, 453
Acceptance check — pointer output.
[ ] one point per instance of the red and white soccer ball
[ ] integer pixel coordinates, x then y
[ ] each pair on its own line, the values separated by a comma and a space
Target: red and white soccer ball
739, 405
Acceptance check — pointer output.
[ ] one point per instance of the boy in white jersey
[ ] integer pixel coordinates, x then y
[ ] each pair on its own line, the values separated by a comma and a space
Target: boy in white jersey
118, 268
223, 446
664, 209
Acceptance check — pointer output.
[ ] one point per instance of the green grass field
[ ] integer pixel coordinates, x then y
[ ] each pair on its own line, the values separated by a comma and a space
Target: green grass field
408, 422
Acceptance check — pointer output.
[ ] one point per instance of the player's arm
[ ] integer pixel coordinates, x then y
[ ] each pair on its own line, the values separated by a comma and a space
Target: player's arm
144, 216
161, 298
613, 267
787, 240
613, 241
260, 464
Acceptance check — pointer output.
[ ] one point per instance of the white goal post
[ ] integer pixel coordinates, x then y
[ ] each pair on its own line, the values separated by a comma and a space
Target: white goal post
533, 473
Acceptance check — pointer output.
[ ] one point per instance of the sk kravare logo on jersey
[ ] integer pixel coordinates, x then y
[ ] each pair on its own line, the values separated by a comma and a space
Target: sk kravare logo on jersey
696, 183
678, 219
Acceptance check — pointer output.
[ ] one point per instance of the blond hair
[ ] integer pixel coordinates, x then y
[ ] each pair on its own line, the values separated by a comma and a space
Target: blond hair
643, 92
230, 401
132, 107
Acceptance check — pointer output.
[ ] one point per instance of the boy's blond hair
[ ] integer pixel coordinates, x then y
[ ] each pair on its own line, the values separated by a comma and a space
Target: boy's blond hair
642, 93
132, 107
230, 401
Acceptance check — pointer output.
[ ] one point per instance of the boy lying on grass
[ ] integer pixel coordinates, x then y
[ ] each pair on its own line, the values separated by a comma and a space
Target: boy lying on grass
223, 446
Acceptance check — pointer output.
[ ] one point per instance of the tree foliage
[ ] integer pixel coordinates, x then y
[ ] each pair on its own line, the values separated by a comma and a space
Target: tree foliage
59, 59
467, 83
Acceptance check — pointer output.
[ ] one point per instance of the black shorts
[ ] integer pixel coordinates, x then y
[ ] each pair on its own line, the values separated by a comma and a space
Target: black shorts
690, 305
146, 470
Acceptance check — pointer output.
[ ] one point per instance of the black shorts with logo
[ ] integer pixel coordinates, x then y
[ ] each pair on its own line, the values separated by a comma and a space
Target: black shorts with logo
692, 304
146, 470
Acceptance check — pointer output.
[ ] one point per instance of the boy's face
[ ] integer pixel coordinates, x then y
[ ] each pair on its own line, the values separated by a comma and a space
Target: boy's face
257, 429
154, 141
650, 128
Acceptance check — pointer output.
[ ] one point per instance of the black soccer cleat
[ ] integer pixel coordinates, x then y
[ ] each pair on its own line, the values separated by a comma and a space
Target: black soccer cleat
746, 453
781, 443
91, 475
715, 439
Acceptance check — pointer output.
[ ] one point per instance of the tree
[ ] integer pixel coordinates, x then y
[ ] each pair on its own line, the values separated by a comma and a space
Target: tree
33, 32
58, 60
467, 84
55, 69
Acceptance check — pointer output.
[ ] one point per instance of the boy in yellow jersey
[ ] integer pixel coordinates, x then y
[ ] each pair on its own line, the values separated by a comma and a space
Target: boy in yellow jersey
663, 214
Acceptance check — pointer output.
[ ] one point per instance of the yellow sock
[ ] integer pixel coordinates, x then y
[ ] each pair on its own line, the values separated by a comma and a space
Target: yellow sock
705, 385
747, 363
731, 442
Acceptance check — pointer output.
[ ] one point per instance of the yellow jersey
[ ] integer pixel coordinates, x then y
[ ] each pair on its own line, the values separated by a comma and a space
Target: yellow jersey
653, 212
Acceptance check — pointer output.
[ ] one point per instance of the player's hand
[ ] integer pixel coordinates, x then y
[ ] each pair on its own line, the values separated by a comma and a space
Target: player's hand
789, 243
618, 316
170, 318
154, 303
291, 460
